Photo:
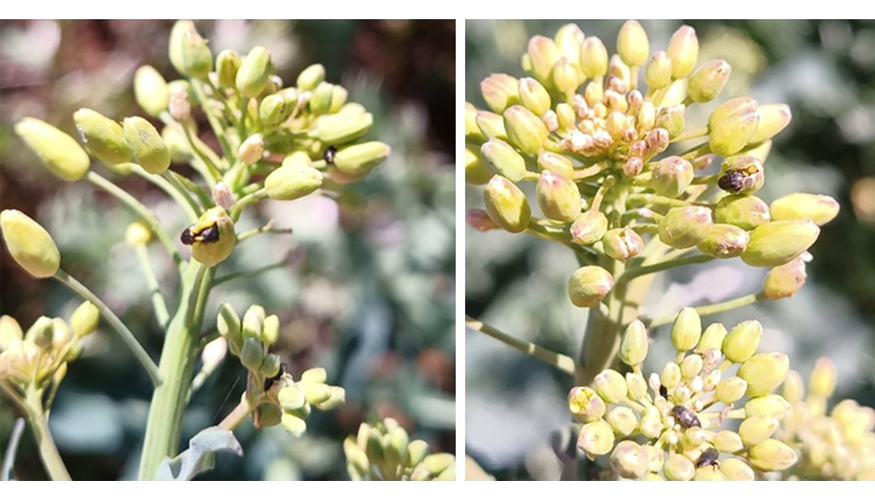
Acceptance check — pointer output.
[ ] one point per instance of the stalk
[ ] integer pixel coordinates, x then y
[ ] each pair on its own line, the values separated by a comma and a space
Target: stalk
48, 452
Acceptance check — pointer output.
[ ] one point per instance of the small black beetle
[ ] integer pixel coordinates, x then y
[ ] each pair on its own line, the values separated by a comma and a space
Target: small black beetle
685, 416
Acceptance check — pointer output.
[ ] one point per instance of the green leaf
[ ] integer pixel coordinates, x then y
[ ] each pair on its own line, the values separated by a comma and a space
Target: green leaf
200, 455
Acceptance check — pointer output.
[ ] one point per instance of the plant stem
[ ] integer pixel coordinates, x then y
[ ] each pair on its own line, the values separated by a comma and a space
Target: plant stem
692, 134
662, 266
138, 207
126, 335
183, 197
247, 200
249, 273
560, 361
161, 313
169, 189
710, 308
47, 450
12, 449
238, 415
217, 127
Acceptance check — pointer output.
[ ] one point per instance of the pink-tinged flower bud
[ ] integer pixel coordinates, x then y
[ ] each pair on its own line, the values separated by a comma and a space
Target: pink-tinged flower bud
683, 49
633, 166
476, 171
507, 205
724, 241
820, 209
524, 130
672, 176
501, 91
472, 130
629, 460
772, 455
593, 58
621, 73
589, 285
623, 420
596, 438
543, 54
746, 212
566, 76
622, 243
556, 163
558, 197
777, 243
251, 150
773, 119
589, 228
704, 162
741, 175
491, 125
823, 378
684, 227
672, 119
658, 72
585, 404
479, 220
633, 44
533, 96
657, 141
785, 280
569, 38
504, 159
709, 79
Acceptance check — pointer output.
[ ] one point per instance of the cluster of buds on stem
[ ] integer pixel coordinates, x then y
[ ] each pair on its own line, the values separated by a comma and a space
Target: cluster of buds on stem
270, 389
610, 175
384, 452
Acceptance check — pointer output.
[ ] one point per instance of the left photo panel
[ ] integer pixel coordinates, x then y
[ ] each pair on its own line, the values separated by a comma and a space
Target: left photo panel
228, 250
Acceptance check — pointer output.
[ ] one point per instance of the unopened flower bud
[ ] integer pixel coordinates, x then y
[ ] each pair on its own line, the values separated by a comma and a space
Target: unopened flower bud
672, 176
732, 125
317, 393
724, 241
274, 109
755, 430
611, 386
270, 366
501, 91
743, 341
103, 137
556, 163
683, 49
785, 280
59, 152
252, 354
342, 127
189, 52
593, 57
320, 98
772, 455
633, 347
29, 244
40, 333
727, 441
730, 390
737, 470
709, 473
10, 332
633, 166
531, 94
337, 398
633, 44
773, 119
741, 175
148, 148
670, 376
228, 325
311, 77
254, 73
793, 389
293, 424
151, 90
820, 209
672, 119
636, 385
566, 76
712, 337
558, 196
491, 125
84, 319
622, 243
823, 378
778, 242
684, 227
543, 53
565, 115
589, 227
589, 285
361, 158
227, 64
673, 95
292, 181
708, 81
504, 159
657, 141
629, 460
476, 171
596, 438
622, 420
658, 72
764, 372
212, 237
770, 405
507, 205
679, 468
524, 130
686, 330
746, 212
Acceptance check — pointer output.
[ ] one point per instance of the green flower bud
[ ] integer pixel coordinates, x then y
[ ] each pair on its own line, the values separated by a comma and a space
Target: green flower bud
686, 330
524, 130
337, 398
148, 148
361, 158
507, 205
501, 91
151, 90
566, 76
658, 72
476, 171
823, 379
504, 159
764, 372
543, 53
532, 95
10, 332
755, 430
777, 243
670, 375
396, 449
557, 163
637, 386
785, 280
253, 322
684, 227
713, 337
317, 393
291, 398
622, 243
743, 341
773, 119
596, 438
59, 152
683, 49
633, 44
589, 228
227, 64
566, 116
417, 450
338, 98
293, 424
254, 73
439, 465
103, 137
772, 455
589, 285
29, 244
724, 241
585, 404
746, 212
672, 119
679, 468
293, 181
672, 176
189, 52
820, 209
727, 442
622, 420
741, 175
84, 319
629, 460
611, 386
320, 100
177, 144
736, 470
228, 325
691, 366
270, 330
252, 354
206, 247
769, 405
593, 57
311, 77
270, 366
491, 125
472, 130
708, 81
730, 390
569, 38
633, 347
732, 125
269, 415
558, 196
40, 333
342, 127
274, 109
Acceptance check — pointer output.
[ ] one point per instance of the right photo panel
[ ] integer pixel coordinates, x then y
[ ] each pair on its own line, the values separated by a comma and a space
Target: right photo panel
669, 240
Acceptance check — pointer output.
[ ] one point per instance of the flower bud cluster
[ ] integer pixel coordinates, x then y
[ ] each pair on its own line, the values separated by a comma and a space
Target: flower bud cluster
597, 147
384, 452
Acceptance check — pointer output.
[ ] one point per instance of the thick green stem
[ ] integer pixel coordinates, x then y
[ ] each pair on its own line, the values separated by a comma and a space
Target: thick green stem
47, 450
178, 359
559, 361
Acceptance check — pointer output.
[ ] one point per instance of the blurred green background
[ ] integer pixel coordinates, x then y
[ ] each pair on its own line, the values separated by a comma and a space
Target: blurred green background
373, 301
825, 71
